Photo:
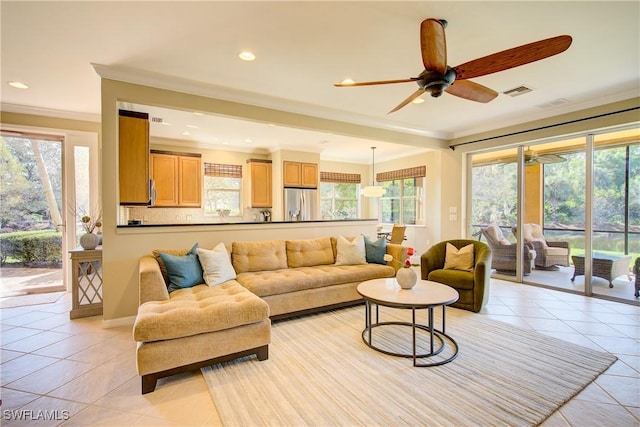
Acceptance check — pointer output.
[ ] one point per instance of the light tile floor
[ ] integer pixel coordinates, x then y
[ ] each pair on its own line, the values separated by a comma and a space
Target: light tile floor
83, 375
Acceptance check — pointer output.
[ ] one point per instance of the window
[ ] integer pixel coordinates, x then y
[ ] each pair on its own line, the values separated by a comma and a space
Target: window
403, 203
222, 189
339, 195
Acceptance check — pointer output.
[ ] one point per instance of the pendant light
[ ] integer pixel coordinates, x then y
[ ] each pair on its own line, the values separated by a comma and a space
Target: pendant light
373, 190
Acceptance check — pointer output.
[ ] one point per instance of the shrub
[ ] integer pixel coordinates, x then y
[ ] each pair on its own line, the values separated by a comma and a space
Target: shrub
31, 247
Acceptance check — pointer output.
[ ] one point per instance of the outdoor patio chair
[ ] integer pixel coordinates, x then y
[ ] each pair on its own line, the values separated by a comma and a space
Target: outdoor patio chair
504, 252
548, 254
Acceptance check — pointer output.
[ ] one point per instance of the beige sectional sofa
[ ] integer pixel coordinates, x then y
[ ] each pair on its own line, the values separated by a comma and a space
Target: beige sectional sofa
202, 325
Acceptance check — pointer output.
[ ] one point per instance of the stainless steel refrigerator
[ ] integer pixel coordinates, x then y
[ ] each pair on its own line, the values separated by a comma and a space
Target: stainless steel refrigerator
300, 204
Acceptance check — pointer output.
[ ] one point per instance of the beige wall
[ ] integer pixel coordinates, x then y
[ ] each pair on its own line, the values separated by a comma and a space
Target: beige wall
122, 248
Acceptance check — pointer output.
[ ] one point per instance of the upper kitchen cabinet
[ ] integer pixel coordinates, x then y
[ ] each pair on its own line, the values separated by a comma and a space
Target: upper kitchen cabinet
177, 178
260, 183
300, 175
133, 158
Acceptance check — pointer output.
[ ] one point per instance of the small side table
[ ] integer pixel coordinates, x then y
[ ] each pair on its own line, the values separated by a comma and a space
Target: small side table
86, 286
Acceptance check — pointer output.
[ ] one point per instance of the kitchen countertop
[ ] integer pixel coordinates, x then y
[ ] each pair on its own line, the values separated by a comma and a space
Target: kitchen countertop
323, 221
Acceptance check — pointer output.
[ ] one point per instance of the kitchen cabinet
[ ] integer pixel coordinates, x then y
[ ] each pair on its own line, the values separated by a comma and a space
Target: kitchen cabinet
133, 158
260, 183
177, 178
300, 175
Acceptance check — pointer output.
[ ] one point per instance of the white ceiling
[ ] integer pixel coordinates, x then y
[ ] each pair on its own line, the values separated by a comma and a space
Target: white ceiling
302, 48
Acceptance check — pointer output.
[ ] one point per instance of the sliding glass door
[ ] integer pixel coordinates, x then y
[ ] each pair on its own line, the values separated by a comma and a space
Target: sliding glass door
578, 202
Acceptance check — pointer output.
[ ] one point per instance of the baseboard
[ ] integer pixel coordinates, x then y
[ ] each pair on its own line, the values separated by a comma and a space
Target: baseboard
120, 321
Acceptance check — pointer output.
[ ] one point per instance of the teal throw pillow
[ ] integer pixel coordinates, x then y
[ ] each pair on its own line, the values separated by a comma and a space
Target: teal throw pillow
375, 251
183, 271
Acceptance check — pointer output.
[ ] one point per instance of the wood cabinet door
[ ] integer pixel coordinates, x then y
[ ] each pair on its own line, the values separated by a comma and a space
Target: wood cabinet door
133, 160
292, 174
190, 181
164, 172
261, 196
309, 172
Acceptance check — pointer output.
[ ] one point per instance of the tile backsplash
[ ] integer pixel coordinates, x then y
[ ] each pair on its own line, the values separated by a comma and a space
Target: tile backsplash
182, 216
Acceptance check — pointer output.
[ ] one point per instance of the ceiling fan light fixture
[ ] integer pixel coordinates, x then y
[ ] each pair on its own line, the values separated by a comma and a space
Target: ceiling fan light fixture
348, 82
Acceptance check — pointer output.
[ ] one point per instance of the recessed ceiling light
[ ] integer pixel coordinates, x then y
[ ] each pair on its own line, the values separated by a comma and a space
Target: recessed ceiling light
19, 85
418, 101
245, 55
248, 140
186, 133
348, 82
192, 126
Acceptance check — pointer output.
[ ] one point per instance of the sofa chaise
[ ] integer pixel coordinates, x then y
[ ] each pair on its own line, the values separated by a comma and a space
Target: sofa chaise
201, 325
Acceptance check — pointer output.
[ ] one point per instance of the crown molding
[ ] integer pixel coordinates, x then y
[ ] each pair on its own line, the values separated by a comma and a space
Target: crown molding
552, 112
162, 81
46, 112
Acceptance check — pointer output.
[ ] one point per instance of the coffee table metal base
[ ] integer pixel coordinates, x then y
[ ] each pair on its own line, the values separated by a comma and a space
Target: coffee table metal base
438, 339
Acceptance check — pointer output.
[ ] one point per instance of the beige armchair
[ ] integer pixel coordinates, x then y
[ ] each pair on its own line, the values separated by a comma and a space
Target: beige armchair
504, 252
548, 254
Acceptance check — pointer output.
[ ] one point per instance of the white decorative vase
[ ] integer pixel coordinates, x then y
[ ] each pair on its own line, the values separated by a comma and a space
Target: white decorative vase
406, 278
89, 241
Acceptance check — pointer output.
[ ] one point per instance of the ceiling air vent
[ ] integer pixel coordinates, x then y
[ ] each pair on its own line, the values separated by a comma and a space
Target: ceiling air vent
516, 91
156, 119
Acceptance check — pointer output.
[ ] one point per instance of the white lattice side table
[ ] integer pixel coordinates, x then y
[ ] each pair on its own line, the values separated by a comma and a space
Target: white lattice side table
86, 286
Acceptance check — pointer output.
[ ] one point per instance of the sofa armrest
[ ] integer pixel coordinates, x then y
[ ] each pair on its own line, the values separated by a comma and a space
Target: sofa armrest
399, 254
150, 281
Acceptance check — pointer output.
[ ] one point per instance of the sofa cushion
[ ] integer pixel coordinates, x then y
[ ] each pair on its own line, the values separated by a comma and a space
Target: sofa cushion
183, 271
307, 253
265, 283
375, 251
458, 259
198, 310
258, 256
350, 252
163, 268
216, 265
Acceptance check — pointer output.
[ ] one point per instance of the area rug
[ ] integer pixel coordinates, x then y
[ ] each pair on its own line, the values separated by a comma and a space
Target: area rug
320, 372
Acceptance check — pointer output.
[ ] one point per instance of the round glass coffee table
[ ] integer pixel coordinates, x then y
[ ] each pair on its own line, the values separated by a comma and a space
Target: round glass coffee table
424, 295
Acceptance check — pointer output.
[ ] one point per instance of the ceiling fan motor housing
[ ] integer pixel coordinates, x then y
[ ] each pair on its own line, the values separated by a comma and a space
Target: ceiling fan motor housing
434, 82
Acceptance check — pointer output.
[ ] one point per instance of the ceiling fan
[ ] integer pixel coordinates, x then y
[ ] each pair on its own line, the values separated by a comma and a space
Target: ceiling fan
532, 158
438, 76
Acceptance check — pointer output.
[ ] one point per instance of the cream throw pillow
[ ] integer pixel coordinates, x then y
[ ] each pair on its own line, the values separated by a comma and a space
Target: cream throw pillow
216, 265
351, 252
459, 259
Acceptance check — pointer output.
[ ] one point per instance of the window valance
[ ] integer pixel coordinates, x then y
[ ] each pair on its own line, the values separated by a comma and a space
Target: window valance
339, 177
415, 172
219, 169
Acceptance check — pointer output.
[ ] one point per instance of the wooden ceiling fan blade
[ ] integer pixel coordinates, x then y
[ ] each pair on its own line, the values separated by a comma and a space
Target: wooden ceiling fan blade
473, 91
415, 95
379, 82
513, 57
433, 45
